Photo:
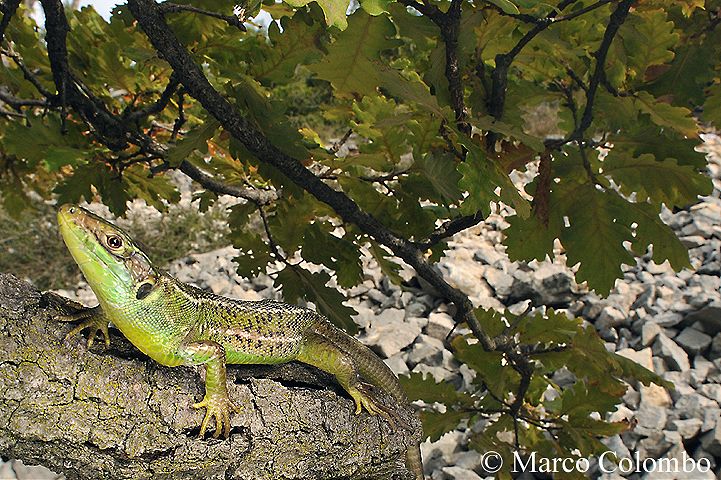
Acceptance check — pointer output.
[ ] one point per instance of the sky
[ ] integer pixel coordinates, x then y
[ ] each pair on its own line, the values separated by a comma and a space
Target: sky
103, 7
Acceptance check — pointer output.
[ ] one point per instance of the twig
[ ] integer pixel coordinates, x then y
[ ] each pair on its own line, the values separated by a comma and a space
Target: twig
8, 113
231, 20
16, 102
271, 242
159, 105
259, 197
337, 145
450, 228
180, 121
27, 74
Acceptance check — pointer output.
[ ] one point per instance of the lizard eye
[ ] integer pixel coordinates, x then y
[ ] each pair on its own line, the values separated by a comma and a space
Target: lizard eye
114, 241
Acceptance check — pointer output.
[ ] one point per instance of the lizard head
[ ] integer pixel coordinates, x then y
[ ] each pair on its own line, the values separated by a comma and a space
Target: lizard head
112, 262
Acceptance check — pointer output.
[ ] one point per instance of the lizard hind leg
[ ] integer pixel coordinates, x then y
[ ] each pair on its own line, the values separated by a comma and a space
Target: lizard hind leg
323, 354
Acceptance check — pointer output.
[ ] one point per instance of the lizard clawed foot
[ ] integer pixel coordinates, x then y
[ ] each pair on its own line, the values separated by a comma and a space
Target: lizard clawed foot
93, 319
365, 399
219, 406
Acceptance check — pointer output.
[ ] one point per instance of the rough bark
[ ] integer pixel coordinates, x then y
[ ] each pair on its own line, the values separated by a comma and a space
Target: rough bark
114, 414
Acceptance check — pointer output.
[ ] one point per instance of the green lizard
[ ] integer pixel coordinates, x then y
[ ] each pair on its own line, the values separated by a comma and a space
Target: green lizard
178, 324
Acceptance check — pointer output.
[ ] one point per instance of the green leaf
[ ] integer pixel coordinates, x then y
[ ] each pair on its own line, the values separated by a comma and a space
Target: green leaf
648, 39
480, 178
334, 10
505, 5
435, 424
440, 171
151, 189
661, 143
551, 327
489, 124
107, 183
529, 238
661, 181
322, 247
633, 370
196, 139
712, 106
595, 238
296, 41
423, 387
665, 115
651, 230
42, 141
389, 268
349, 65
375, 7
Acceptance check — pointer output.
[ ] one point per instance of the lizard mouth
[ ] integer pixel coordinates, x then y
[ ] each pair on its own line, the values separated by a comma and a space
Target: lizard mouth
100, 268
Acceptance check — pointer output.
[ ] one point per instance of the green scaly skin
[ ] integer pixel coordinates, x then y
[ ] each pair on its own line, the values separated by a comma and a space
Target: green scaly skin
178, 324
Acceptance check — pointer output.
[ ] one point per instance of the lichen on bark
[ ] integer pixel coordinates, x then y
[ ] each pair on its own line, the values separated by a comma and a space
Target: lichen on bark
113, 413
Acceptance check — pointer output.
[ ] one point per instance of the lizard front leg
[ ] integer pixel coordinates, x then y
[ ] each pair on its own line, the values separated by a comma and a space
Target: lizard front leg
216, 401
93, 319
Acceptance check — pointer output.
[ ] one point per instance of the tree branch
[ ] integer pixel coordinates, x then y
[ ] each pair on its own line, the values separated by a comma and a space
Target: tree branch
8, 10
113, 413
232, 20
190, 74
27, 74
449, 25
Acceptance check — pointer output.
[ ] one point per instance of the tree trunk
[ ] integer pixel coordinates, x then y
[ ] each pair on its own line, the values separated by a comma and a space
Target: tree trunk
114, 414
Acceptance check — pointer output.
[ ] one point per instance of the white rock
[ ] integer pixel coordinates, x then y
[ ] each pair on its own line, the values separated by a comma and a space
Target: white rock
687, 428
439, 325
655, 395
397, 364
676, 358
458, 473
649, 332
642, 357
693, 341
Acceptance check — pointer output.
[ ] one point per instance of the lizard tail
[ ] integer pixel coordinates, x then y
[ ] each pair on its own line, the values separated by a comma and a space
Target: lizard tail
379, 374
365, 361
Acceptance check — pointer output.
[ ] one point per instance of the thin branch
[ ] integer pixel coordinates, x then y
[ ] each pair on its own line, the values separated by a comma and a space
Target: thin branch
157, 106
449, 25
257, 196
617, 18
180, 121
17, 102
8, 10
450, 228
497, 99
27, 73
8, 113
232, 20
337, 145
429, 10
450, 30
271, 242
